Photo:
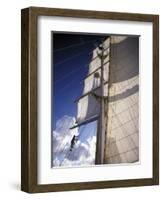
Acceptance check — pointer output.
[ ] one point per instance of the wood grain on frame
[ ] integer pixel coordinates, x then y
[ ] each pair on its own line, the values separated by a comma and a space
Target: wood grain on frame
29, 99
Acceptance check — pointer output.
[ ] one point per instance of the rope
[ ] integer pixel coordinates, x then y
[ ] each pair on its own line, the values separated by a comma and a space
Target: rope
68, 85
74, 56
70, 152
75, 45
83, 128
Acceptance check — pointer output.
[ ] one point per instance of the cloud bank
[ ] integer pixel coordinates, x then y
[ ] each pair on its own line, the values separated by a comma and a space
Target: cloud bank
83, 152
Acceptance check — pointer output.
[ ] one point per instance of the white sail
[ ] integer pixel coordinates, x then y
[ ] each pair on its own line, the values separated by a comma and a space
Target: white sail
122, 141
121, 89
88, 105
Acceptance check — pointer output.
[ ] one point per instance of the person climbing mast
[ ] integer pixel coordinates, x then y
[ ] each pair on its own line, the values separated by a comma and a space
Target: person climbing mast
73, 141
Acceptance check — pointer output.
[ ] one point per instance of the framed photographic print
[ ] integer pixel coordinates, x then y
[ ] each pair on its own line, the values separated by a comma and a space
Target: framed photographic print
90, 100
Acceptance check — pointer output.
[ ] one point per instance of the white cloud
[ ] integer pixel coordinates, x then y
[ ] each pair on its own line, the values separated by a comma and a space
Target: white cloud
83, 152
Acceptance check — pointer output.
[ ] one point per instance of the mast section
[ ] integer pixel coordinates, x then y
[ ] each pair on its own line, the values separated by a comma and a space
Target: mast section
100, 144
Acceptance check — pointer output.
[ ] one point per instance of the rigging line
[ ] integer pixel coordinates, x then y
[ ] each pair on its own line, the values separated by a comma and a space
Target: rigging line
71, 57
63, 159
64, 144
75, 45
80, 131
119, 91
113, 72
75, 70
62, 151
59, 146
89, 62
107, 62
96, 57
83, 129
80, 144
68, 85
68, 74
66, 153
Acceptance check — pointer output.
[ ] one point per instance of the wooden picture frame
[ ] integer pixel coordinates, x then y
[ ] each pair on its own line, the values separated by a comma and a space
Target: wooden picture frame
29, 97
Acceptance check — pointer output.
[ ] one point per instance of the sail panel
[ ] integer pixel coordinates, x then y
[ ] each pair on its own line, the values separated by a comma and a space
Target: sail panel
98, 91
88, 106
94, 54
96, 61
117, 39
121, 77
94, 64
122, 141
92, 82
123, 131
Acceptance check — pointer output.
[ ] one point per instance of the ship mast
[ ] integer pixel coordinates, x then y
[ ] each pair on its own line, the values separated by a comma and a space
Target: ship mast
100, 144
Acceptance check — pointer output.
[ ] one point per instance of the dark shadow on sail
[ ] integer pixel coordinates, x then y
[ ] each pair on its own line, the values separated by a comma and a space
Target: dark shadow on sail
124, 60
125, 94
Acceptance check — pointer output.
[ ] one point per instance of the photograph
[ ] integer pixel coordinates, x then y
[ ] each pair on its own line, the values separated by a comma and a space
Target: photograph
95, 99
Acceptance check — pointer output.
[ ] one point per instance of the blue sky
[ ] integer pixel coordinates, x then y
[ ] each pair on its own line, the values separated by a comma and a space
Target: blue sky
71, 56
